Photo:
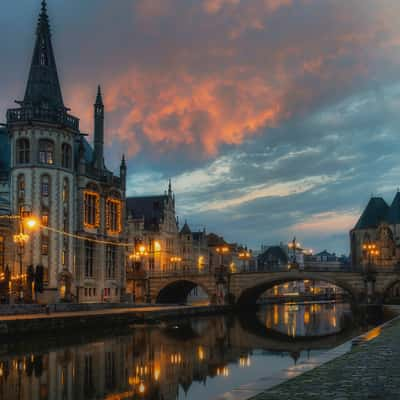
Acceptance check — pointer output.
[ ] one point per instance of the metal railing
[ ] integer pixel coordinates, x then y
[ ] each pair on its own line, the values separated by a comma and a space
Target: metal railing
29, 114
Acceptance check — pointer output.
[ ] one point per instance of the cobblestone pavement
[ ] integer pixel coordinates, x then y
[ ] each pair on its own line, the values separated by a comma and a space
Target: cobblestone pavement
371, 370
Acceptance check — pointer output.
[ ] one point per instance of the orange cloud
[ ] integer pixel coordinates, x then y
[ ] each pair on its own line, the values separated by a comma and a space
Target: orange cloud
327, 223
197, 76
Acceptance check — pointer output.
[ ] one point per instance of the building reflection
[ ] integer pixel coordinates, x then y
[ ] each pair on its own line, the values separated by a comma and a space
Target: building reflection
298, 320
154, 362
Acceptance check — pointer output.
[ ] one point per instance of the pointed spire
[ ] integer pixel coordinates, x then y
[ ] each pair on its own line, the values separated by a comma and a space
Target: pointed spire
43, 87
169, 188
99, 97
98, 154
123, 162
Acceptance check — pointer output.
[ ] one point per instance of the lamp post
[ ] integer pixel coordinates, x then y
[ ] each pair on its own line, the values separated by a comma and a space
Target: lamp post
245, 257
220, 275
26, 220
372, 251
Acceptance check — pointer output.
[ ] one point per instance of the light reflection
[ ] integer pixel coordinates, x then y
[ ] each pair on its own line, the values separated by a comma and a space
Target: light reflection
296, 320
157, 362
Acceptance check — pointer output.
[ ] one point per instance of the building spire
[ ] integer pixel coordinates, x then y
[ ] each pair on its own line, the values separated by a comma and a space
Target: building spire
99, 97
169, 188
99, 131
43, 87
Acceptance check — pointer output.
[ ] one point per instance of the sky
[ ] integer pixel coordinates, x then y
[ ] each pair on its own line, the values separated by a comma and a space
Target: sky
273, 118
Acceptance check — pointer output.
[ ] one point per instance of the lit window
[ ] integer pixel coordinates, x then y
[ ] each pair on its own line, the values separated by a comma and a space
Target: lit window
45, 245
114, 216
91, 209
46, 152
23, 151
45, 218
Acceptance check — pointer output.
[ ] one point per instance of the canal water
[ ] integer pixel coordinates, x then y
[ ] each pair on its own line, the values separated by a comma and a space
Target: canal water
194, 359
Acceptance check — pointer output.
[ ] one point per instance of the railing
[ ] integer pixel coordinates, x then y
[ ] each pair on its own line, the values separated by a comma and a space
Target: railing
28, 114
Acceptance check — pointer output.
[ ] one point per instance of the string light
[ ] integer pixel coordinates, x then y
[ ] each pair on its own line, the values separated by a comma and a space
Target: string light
79, 237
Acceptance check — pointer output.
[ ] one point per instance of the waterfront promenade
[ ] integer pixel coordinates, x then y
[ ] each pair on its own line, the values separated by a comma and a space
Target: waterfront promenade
371, 370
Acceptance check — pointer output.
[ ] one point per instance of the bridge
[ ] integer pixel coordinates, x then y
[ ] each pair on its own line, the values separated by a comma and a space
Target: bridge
244, 288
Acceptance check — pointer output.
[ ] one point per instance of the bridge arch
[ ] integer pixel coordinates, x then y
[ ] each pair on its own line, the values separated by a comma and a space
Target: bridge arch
177, 291
250, 294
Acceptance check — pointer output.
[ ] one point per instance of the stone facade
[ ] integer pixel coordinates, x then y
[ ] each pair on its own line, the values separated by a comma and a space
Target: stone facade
379, 225
55, 175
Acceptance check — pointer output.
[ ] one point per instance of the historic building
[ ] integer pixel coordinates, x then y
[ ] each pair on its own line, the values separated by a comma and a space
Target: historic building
375, 240
49, 169
158, 245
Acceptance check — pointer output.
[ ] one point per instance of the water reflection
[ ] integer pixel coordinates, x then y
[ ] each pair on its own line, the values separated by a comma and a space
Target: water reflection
195, 359
307, 320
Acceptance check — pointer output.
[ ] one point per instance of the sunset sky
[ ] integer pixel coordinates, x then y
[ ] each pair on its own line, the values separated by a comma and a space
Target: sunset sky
273, 118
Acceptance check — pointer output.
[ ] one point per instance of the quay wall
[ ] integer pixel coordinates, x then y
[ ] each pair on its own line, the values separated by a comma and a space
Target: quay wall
19, 325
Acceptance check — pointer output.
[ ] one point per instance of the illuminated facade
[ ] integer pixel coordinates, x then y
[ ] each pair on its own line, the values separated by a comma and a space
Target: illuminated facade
57, 176
375, 240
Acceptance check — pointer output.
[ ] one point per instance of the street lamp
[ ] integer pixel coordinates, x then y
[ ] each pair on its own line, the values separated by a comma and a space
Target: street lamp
176, 261
244, 256
371, 251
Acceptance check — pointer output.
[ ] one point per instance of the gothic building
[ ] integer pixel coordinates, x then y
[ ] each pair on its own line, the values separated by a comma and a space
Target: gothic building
49, 169
378, 226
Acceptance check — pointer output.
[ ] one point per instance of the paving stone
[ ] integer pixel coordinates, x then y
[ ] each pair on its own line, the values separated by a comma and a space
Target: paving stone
370, 371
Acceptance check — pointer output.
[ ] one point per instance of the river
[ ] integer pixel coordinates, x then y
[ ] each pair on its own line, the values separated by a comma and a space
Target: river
195, 359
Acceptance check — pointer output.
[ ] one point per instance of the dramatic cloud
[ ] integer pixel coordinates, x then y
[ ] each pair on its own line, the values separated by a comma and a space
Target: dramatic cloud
271, 116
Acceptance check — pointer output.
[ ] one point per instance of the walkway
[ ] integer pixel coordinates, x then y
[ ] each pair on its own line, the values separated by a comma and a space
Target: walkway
112, 311
371, 370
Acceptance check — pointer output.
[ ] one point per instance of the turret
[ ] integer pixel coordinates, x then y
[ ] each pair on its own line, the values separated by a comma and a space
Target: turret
98, 156
122, 172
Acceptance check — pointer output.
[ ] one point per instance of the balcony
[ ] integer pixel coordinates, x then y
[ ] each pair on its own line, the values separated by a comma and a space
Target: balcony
30, 114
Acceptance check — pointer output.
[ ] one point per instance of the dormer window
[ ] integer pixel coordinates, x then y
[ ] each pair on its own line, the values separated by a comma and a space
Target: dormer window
46, 152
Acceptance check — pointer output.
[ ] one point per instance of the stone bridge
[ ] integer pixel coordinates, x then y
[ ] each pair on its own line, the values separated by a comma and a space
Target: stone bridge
245, 288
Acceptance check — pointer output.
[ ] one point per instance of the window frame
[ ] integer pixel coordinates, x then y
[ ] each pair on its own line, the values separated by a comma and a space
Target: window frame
46, 152
23, 151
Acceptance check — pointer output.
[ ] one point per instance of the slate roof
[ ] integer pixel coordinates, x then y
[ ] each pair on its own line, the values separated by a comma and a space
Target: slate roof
150, 208
5, 151
273, 254
375, 213
393, 216
186, 229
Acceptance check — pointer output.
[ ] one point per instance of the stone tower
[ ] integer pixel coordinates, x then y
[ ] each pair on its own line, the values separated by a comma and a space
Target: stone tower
43, 136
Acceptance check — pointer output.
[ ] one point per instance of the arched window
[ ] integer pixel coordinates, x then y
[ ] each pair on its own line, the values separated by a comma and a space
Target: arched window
23, 151
91, 209
46, 152
65, 198
66, 159
21, 189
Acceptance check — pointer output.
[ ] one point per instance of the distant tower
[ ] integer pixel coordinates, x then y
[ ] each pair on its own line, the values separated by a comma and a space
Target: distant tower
98, 157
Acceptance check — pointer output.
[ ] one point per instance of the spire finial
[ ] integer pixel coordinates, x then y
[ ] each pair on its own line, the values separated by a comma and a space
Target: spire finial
44, 7
123, 162
99, 97
169, 187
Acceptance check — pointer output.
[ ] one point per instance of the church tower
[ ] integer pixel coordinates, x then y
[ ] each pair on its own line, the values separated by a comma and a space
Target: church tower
43, 135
